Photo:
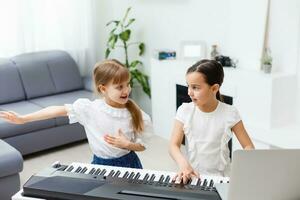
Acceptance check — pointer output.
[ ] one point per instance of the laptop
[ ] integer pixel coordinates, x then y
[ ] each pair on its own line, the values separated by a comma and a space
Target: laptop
263, 175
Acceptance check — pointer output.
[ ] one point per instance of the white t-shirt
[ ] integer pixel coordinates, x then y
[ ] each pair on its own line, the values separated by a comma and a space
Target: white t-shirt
99, 119
207, 136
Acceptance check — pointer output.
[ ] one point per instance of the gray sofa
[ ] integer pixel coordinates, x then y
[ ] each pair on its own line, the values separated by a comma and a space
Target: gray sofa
11, 163
32, 81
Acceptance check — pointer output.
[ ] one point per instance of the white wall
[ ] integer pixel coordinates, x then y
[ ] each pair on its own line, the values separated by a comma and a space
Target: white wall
164, 24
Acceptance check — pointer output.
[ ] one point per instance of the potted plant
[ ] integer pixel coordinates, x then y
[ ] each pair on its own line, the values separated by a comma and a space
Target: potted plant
119, 37
267, 61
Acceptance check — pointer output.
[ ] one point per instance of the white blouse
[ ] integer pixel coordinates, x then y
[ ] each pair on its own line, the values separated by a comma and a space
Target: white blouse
207, 136
99, 119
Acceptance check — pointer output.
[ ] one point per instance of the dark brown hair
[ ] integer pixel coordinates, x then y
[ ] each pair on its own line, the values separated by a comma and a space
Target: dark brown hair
115, 71
212, 71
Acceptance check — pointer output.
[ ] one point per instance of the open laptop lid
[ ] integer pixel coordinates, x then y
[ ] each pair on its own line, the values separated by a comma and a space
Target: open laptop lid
265, 175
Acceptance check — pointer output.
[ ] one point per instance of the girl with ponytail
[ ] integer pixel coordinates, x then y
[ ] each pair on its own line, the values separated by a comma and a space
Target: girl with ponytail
207, 125
115, 126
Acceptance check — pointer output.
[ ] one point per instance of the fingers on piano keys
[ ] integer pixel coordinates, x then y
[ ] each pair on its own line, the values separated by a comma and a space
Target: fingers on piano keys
142, 175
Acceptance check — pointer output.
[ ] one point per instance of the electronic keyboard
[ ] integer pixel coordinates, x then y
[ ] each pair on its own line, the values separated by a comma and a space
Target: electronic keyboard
90, 182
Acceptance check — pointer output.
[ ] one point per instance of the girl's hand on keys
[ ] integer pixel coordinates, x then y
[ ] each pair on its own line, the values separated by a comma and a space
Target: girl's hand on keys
185, 173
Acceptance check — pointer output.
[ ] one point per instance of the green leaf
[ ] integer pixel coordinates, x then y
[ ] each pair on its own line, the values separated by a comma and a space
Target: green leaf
143, 80
130, 22
133, 64
126, 14
112, 40
141, 48
112, 31
116, 22
107, 52
125, 35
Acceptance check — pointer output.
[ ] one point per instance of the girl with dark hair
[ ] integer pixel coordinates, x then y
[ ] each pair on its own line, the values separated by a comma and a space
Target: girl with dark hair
115, 126
207, 125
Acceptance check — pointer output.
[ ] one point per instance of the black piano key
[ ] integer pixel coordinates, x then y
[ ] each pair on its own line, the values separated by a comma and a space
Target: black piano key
137, 176
152, 178
211, 183
161, 179
111, 173
126, 174
167, 180
97, 171
70, 168
92, 171
204, 182
78, 169
198, 182
83, 170
189, 181
221, 181
131, 175
146, 177
103, 172
117, 174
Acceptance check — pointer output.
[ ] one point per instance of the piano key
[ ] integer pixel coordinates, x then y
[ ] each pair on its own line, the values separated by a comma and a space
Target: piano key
167, 179
161, 179
97, 171
117, 173
126, 174
194, 180
111, 173
131, 175
136, 177
211, 183
92, 171
152, 178
204, 182
83, 170
70, 168
78, 169
146, 177
103, 172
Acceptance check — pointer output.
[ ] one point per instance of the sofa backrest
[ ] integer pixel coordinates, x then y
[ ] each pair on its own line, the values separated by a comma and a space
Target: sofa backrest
47, 73
11, 88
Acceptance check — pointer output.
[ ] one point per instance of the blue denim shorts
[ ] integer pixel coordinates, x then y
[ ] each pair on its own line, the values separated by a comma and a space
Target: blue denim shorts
130, 160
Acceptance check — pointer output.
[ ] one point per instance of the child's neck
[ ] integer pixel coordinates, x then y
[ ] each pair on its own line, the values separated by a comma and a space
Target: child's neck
113, 104
209, 107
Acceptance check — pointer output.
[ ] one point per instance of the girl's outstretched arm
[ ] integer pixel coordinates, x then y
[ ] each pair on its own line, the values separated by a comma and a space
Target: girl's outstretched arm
185, 169
242, 135
46, 113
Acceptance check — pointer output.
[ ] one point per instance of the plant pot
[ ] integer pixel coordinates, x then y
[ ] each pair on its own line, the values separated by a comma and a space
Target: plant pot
267, 68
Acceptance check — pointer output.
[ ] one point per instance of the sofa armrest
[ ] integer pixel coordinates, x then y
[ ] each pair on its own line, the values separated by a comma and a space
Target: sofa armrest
88, 83
11, 160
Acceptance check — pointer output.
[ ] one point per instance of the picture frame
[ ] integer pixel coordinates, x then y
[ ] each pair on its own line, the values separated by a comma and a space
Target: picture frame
193, 50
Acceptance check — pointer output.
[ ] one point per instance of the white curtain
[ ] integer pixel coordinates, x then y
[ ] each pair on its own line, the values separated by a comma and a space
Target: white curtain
36, 25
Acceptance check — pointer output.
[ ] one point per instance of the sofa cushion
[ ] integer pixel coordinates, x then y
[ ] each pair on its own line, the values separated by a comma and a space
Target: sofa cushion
22, 107
9, 76
35, 75
11, 161
65, 73
61, 99
47, 73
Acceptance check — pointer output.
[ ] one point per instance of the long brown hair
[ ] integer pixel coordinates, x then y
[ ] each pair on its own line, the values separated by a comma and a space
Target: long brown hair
113, 70
213, 73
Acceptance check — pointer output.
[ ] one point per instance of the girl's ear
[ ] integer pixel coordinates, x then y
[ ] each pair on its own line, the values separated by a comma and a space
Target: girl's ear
102, 88
215, 87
